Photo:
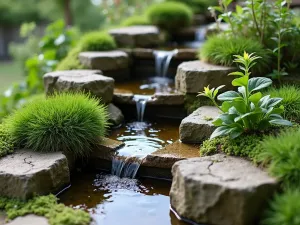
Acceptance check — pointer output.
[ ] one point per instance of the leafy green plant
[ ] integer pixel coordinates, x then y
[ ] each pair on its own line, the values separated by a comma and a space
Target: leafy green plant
135, 20
284, 209
290, 95
57, 214
247, 109
66, 122
221, 49
170, 15
71, 62
281, 154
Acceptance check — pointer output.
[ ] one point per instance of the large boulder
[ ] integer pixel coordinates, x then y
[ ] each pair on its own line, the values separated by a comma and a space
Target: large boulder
136, 36
220, 190
26, 173
80, 80
193, 76
198, 126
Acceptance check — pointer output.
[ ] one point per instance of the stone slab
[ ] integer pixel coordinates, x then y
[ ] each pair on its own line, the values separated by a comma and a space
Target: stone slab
198, 126
136, 36
26, 173
193, 76
220, 190
90, 81
106, 149
105, 60
29, 220
116, 116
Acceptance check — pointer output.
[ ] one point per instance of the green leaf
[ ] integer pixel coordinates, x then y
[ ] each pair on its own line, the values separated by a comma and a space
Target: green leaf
228, 96
240, 106
218, 122
258, 83
226, 106
241, 81
273, 102
281, 122
227, 118
235, 132
240, 74
220, 131
255, 97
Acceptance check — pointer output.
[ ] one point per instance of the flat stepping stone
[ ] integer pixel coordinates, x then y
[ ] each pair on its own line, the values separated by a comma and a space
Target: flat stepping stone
166, 157
193, 76
2, 218
198, 126
27, 173
90, 81
136, 36
220, 190
29, 220
105, 61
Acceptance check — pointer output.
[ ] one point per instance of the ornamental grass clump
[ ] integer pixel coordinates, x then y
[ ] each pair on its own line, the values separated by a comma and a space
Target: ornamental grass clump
284, 209
170, 15
245, 110
221, 50
281, 155
66, 122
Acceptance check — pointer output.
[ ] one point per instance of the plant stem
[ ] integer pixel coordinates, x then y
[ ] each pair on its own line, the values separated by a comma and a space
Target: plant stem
254, 18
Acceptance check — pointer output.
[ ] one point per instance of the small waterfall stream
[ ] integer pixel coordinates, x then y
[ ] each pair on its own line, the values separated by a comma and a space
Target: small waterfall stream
162, 61
124, 165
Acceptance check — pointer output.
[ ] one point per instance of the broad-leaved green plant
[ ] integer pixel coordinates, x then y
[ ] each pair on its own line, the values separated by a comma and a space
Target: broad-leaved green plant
246, 109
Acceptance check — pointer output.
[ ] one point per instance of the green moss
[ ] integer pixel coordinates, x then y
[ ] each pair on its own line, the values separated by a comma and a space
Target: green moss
66, 122
199, 6
136, 20
97, 41
284, 209
281, 154
244, 146
170, 16
6, 141
220, 50
47, 206
291, 100
71, 62
192, 102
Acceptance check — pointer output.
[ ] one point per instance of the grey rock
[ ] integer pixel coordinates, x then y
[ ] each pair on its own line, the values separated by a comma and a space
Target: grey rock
167, 99
105, 61
136, 36
80, 80
29, 220
105, 149
193, 76
198, 126
116, 116
220, 190
26, 173
2, 218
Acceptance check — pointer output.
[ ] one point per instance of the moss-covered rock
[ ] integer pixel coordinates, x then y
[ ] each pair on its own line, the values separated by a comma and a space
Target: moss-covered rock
6, 141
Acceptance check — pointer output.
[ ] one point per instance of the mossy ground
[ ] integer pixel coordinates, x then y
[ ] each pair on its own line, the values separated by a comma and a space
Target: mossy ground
47, 206
192, 102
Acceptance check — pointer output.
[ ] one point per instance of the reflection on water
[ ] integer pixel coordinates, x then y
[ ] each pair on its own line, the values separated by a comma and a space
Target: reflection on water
121, 201
148, 86
143, 138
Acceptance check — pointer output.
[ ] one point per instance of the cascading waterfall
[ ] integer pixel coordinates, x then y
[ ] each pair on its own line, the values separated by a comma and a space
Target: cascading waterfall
162, 61
200, 34
141, 102
125, 166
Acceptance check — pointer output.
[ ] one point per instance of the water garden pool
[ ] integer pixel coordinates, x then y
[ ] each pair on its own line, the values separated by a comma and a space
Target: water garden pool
113, 201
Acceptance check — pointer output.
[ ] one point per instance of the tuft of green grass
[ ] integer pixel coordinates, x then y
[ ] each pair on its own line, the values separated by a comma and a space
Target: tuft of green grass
6, 141
47, 206
136, 20
170, 16
97, 41
284, 209
220, 50
281, 154
291, 100
66, 122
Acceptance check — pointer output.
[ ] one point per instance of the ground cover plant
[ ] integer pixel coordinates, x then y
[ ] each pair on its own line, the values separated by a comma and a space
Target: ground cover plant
72, 123
170, 15
47, 206
245, 110
136, 20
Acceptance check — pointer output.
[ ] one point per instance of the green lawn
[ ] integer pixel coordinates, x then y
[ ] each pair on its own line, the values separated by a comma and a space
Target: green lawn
9, 72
